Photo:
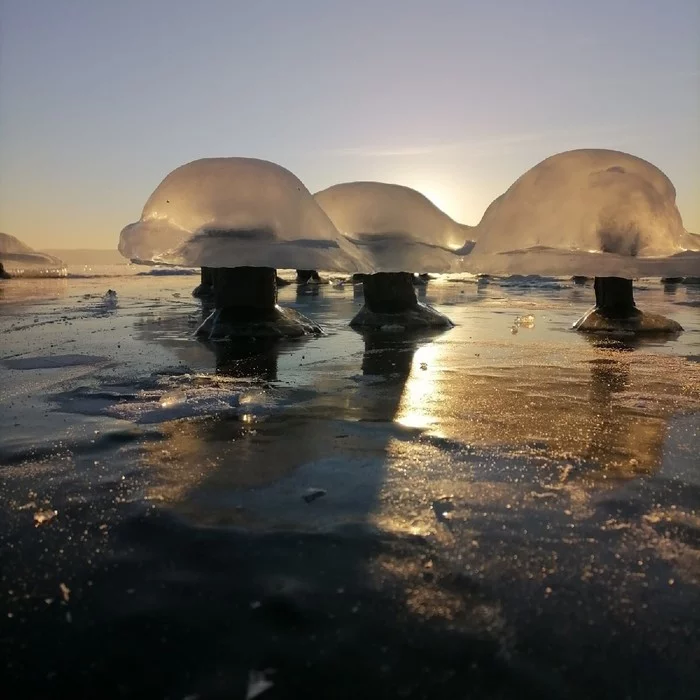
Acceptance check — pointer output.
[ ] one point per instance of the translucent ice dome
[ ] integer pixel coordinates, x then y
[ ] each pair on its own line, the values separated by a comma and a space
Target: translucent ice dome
19, 260
230, 212
586, 212
399, 227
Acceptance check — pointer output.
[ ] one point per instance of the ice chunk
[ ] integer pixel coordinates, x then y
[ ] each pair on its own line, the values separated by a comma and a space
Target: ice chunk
527, 321
44, 516
586, 212
401, 229
230, 212
258, 683
19, 260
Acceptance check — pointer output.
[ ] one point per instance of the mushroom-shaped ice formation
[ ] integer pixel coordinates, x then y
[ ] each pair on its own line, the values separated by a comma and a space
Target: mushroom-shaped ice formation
241, 218
19, 260
596, 213
403, 232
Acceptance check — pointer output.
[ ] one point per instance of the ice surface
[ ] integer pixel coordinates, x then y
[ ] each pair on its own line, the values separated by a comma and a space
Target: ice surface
19, 260
228, 212
586, 212
402, 230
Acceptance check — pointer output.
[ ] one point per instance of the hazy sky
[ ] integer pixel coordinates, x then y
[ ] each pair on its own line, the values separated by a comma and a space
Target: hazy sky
100, 99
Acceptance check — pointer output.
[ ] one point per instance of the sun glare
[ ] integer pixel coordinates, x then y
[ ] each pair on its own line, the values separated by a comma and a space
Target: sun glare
456, 201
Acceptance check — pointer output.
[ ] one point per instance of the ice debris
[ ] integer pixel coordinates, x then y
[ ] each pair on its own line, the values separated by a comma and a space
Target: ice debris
312, 494
44, 516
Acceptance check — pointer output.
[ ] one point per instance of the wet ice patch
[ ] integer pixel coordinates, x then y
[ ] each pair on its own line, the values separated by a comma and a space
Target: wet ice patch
52, 361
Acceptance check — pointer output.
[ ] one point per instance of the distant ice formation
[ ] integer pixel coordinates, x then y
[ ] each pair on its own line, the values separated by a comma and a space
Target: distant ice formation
19, 260
586, 212
230, 212
400, 228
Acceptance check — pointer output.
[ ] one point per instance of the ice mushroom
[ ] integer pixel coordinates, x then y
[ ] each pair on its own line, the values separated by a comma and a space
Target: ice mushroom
239, 219
403, 232
590, 213
19, 260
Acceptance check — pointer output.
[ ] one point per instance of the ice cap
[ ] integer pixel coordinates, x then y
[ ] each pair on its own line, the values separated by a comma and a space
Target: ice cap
231, 212
400, 228
591, 212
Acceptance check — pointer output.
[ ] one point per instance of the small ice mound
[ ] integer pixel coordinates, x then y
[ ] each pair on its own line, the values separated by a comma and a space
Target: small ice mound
236, 212
401, 229
589, 212
110, 300
19, 260
158, 406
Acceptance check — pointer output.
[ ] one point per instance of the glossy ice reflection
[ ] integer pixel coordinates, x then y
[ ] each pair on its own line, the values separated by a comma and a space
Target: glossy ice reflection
522, 507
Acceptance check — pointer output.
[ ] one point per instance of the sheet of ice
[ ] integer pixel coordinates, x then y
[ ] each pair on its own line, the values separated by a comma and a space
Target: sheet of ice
19, 260
52, 361
586, 212
400, 228
227, 212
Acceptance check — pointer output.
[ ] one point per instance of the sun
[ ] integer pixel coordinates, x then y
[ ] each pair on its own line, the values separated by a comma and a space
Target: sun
438, 197
443, 195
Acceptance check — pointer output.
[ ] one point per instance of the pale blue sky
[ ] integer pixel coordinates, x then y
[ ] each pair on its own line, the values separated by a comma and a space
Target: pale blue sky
100, 99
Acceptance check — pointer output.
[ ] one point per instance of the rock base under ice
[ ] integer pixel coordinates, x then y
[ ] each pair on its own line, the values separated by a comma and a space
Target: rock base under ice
223, 324
203, 291
418, 317
637, 322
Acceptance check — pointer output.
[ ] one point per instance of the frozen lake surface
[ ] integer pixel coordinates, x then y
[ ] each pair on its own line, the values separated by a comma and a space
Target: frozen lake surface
507, 509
